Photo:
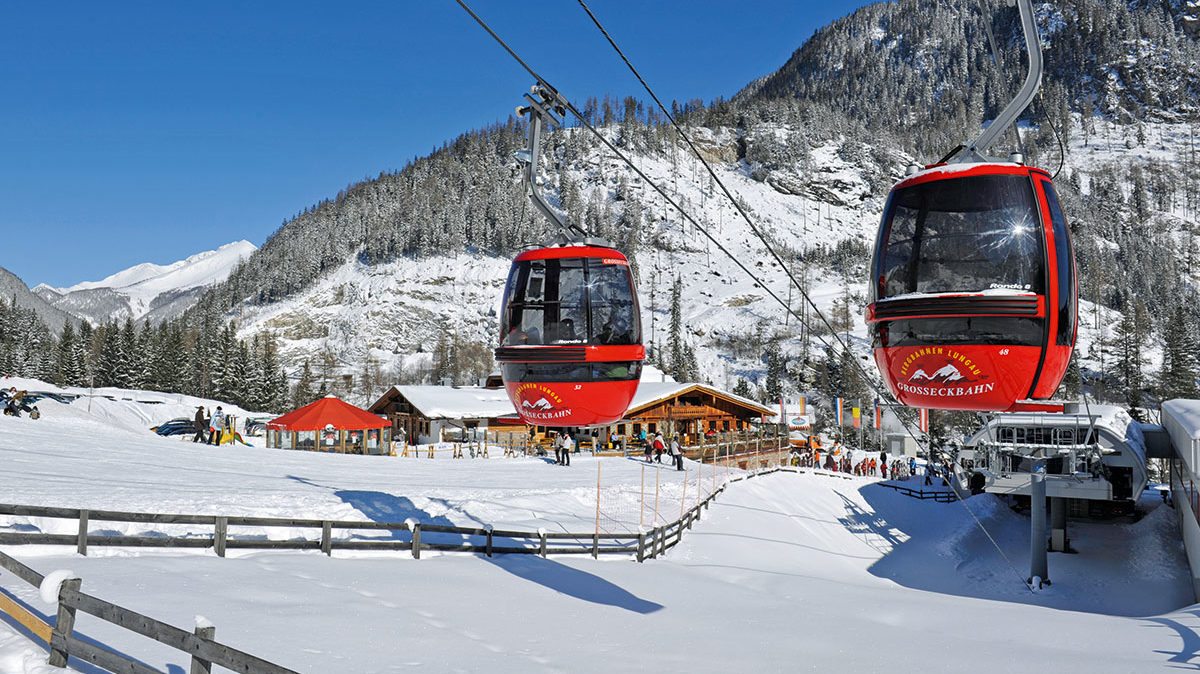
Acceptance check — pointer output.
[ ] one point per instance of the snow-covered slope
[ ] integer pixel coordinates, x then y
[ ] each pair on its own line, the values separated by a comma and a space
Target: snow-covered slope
107, 412
391, 310
148, 290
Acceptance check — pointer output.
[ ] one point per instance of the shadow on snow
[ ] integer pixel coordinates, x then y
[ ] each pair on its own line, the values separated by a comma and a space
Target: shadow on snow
380, 506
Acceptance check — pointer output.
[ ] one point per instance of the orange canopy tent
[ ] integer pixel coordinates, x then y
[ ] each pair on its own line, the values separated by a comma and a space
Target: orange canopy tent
326, 412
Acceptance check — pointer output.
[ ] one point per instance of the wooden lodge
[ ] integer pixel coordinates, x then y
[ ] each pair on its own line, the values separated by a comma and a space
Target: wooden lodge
432, 414
688, 410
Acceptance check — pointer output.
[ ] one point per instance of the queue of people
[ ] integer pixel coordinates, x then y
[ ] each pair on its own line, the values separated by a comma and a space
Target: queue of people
840, 459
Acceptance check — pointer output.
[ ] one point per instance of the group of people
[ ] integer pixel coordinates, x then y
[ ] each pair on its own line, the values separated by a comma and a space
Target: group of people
564, 444
838, 460
209, 428
656, 446
14, 403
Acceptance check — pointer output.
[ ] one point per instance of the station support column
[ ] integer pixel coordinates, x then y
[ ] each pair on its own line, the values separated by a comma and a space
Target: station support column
1038, 565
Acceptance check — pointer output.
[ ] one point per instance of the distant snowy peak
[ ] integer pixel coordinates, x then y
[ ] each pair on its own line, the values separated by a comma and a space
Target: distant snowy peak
211, 266
126, 277
149, 290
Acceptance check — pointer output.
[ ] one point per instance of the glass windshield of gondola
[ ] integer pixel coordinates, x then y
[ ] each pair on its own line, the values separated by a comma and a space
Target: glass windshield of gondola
567, 301
967, 234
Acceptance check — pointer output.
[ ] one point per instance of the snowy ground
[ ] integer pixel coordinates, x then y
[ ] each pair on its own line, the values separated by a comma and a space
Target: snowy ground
71, 458
785, 572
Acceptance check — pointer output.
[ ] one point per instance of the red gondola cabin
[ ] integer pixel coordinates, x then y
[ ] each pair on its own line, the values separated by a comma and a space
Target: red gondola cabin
570, 339
973, 293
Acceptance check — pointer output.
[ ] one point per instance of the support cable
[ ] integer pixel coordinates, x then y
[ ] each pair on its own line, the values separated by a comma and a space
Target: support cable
616, 151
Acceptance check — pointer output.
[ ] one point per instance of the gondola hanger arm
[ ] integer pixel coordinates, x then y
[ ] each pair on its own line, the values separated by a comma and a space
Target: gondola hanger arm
976, 149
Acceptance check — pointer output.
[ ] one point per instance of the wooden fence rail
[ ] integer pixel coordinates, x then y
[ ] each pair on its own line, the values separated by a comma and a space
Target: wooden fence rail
63, 643
510, 541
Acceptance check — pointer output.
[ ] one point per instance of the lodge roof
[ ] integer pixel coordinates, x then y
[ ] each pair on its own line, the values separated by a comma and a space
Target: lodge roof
468, 402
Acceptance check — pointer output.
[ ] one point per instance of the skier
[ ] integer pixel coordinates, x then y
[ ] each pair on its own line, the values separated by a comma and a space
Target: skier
200, 423
216, 426
677, 453
883, 469
659, 447
558, 446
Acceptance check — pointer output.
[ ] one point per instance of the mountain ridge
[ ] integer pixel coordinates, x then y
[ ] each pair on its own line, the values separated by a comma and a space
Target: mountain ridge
148, 291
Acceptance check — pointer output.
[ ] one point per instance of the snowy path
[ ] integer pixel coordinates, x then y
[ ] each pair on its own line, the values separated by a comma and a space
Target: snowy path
787, 572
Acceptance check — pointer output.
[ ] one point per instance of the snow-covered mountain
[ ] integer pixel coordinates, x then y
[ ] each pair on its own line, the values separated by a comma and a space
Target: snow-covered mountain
384, 270
14, 290
148, 290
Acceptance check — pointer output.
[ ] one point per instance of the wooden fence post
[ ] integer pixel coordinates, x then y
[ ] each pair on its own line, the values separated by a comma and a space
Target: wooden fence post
542, 542
63, 626
201, 666
489, 540
220, 534
327, 538
641, 546
83, 531
416, 540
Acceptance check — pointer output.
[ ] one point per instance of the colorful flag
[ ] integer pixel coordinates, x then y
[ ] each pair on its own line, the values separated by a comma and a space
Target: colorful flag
924, 420
782, 412
856, 414
878, 415
841, 420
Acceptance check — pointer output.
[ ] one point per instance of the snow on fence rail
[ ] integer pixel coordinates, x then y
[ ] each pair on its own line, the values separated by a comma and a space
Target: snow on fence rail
63, 643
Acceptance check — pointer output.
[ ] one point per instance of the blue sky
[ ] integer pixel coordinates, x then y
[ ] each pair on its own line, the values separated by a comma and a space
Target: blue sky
148, 131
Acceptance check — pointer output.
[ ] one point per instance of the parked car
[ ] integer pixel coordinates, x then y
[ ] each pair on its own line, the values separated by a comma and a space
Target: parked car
180, 426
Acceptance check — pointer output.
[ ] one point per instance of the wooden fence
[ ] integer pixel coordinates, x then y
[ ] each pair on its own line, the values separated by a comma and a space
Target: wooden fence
64, 643
200, 644
483, 540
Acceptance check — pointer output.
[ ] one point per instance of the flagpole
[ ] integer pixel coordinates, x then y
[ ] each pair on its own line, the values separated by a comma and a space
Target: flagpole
858, 403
